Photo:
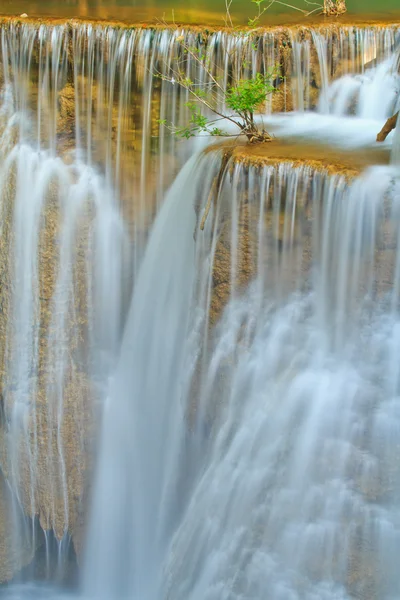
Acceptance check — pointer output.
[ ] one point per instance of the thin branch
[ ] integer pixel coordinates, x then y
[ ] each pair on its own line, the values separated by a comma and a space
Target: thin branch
228, 18
320, 8
200, 99
201, 63
289, 6
314, 3
266, 8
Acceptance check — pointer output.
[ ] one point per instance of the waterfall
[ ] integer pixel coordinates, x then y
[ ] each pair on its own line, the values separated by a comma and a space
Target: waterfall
362, 94
187, 349
145, 413
104, 69
62, 243
286, 429
341, 101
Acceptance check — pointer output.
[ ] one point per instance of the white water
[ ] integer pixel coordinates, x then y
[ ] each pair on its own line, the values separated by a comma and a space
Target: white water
212, 479
299, 494
293, 486
297, 487
137, 477
353, 108
62, 238
374, 94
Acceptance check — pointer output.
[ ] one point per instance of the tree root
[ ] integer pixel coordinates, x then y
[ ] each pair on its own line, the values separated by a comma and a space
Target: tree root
334, 8
259, 138
387, 128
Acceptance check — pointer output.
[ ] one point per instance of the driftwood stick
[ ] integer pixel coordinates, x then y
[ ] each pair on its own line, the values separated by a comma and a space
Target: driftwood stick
216, 186
387, 128
208, 205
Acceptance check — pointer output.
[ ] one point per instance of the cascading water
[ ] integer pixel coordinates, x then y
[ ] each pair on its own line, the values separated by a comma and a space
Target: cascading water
351, 109
146, 412
362, 94
240, 378
288, 428
63, 245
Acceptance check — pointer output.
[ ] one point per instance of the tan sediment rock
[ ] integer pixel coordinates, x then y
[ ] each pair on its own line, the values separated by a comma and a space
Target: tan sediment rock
66, 116
52, 442
15, 551
222, 280
287, 248
52, 488
257, 156
117, 135
6, 272
317, 156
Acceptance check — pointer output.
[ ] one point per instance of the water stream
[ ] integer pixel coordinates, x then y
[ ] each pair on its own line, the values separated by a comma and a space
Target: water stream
190, 413
292, 477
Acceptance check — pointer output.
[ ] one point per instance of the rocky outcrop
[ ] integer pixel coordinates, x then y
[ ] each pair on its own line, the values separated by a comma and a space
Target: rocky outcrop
66, 127
16, 550
50, 471
248, 166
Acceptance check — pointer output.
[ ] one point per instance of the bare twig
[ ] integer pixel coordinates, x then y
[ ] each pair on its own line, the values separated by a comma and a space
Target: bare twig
228, 18
200, 99
320, 9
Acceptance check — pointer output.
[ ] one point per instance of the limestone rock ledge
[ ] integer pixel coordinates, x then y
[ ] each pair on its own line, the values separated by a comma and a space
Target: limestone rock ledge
15, 551
244, 172
262, 221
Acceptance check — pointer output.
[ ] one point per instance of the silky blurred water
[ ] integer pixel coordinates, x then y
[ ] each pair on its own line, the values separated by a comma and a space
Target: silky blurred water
35, 591
192, 11
261, 449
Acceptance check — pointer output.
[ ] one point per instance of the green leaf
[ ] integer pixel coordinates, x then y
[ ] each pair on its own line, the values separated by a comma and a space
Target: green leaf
253, 22
217, 132
247, 95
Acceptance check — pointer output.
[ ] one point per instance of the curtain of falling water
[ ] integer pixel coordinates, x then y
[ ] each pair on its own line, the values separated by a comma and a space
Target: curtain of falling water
345, 52
362, 94
146, 412
275, 435
84, 166
62, 251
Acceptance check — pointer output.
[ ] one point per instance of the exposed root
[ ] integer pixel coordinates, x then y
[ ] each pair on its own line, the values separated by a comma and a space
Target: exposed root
259, 138
387, 128
256, 135
334, 8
